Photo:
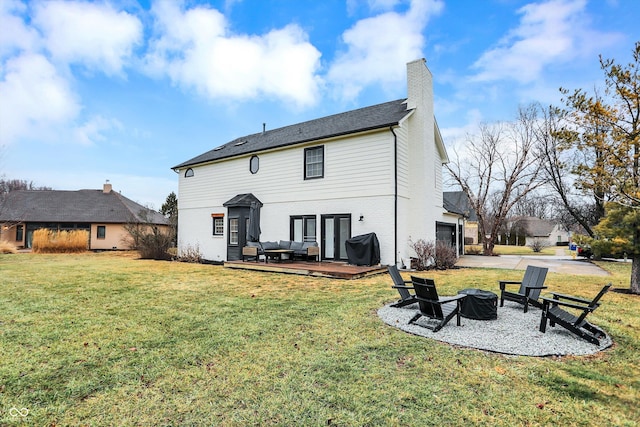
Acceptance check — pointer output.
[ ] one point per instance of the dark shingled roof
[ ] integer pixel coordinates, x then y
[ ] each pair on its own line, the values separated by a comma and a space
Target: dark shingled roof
242, 200
90, 206
458, 202
360, 120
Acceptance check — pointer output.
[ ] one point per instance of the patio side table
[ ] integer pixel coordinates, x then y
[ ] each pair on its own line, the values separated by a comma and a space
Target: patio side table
479, 304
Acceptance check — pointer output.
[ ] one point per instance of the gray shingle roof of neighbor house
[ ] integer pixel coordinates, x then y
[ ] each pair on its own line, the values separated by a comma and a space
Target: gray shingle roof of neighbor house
360, 120
90, 206
537, 227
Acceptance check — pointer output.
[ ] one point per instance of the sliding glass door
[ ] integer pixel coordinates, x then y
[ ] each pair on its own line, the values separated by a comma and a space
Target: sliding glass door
336, 229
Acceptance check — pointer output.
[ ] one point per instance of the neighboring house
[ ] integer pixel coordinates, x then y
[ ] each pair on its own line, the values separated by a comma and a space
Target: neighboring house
104, 213
376, 169
542, 229
457, 202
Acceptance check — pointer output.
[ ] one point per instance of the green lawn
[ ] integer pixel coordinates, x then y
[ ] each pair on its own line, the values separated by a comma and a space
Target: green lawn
107, 339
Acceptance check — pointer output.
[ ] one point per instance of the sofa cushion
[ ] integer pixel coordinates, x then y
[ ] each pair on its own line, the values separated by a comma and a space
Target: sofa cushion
270, 245
285, 244
296, 246
306, 245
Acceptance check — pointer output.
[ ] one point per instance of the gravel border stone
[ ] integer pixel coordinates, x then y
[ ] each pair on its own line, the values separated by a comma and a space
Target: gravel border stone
514, 332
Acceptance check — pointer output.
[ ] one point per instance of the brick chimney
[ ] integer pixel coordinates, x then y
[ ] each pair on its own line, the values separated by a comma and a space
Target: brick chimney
106, 189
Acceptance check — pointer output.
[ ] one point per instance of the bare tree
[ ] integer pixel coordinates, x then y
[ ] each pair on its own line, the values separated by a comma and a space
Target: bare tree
498, 169
147, 237
535, 204
9, 185
559, 160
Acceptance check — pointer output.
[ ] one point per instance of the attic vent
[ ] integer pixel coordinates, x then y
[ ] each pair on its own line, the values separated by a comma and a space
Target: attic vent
218, 148
241, 142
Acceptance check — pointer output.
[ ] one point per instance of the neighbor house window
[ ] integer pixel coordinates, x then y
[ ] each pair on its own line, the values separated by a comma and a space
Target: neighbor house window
254, 164
314, 162
188, 173
218, 224
303, 228
102, 231
233, 231
19, 233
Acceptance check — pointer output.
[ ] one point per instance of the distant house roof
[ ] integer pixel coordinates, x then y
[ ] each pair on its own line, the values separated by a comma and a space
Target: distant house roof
82, 206
536, 227
360, 120
458, 202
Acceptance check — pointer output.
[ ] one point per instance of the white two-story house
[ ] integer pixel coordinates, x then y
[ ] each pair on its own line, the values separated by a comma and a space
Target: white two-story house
375, 169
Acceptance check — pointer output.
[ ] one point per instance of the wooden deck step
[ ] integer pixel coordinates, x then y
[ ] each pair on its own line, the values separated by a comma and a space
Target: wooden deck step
336, 270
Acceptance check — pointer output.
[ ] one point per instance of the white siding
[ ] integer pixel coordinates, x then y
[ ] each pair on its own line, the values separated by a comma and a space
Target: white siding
357, 167
403, 160
358, 180
421, 218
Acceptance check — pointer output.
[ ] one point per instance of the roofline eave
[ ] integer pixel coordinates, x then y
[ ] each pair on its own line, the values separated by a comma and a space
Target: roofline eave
440, 143
290, 144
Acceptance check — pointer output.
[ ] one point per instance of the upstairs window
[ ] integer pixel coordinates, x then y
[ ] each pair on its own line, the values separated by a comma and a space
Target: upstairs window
188, 173
254, 164
314, 162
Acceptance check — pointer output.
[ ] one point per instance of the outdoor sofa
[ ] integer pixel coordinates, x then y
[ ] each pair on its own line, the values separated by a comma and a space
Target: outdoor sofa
301, 250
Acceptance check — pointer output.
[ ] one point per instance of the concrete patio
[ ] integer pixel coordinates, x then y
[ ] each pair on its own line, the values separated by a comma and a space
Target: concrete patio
556, 264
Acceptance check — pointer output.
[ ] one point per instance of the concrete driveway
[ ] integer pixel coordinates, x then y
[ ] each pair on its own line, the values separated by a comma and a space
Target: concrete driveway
556, 264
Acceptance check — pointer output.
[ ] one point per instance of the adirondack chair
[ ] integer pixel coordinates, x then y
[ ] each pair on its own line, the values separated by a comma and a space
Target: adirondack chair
439, 309
406, 297
530, 288
576, 324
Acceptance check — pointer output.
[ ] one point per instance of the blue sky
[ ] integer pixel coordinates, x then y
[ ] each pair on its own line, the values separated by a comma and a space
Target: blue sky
123, 90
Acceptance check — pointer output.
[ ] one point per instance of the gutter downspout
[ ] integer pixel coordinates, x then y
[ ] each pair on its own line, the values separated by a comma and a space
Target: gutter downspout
395, 196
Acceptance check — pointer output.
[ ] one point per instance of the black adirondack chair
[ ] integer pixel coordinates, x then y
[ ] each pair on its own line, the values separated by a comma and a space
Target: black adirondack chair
406, 297
530, 288
576, 324
439, 309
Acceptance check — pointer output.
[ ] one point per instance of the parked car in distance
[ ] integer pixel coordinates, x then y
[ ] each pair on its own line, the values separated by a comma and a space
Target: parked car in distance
585, 251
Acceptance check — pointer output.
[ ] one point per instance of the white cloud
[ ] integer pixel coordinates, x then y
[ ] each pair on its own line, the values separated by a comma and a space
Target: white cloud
94, 35
33, 98
94, 129
195, 48
37, 98
15, 36
555, 31
456, 137
378, 48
